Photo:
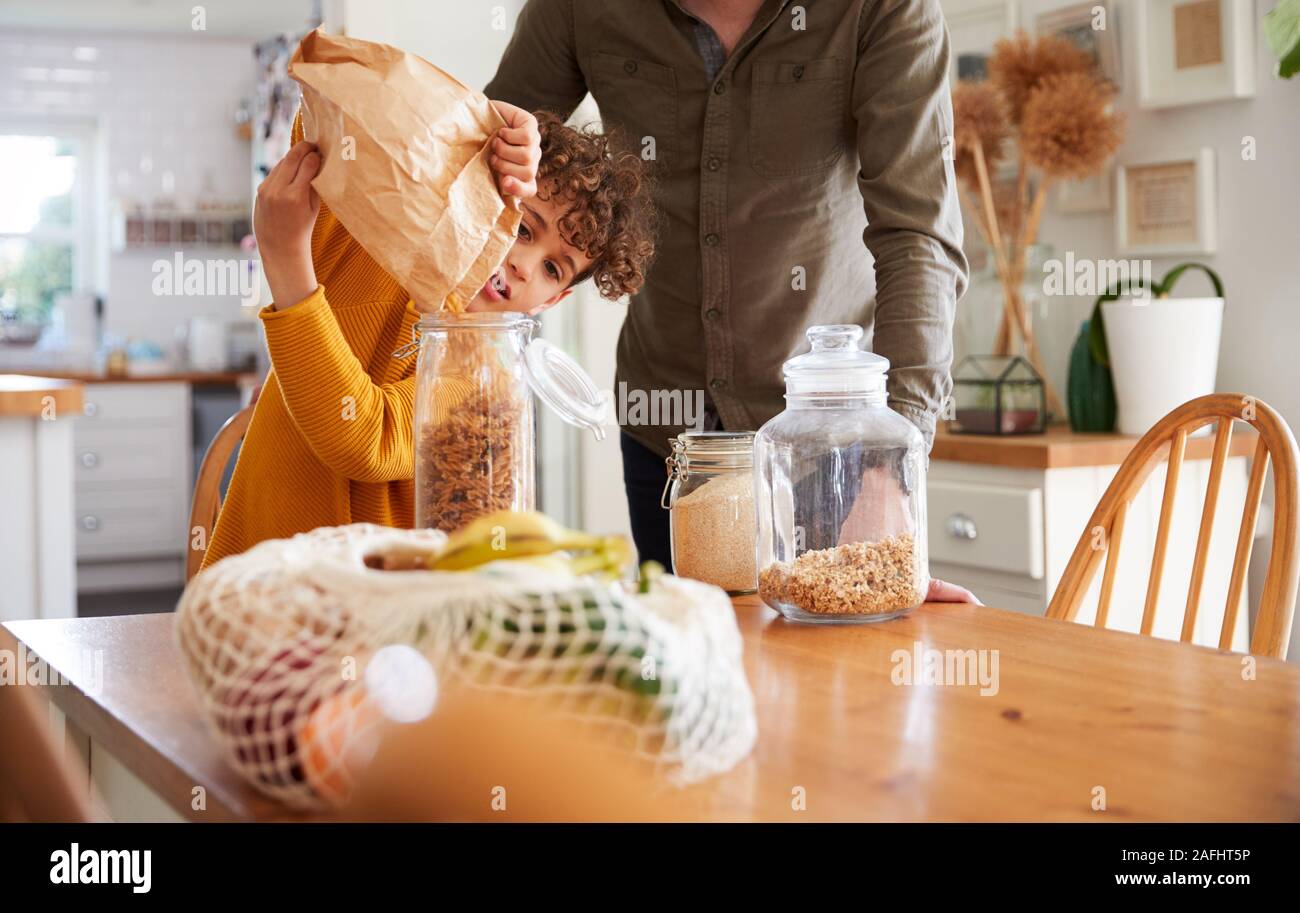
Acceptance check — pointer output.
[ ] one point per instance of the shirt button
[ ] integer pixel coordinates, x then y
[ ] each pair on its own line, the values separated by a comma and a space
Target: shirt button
798, 71
711, 239
717, 383
713, 313
719, 88
715, 164
630, 66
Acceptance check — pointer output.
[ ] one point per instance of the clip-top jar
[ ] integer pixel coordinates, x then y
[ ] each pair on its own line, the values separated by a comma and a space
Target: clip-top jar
710, 493
475, 444
840, 488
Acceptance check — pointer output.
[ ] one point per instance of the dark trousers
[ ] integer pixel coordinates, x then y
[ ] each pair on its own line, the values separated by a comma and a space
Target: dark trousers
644, 475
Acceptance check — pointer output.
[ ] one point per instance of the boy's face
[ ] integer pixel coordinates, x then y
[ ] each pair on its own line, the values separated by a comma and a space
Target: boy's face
539, 268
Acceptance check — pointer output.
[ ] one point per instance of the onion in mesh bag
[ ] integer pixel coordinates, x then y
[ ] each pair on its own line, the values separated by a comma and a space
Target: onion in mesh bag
275, 642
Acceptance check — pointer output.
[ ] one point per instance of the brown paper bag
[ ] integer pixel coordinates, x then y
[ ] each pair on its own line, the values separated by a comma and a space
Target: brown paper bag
404, 149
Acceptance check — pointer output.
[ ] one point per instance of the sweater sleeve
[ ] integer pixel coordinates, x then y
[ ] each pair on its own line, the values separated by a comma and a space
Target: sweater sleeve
359, 429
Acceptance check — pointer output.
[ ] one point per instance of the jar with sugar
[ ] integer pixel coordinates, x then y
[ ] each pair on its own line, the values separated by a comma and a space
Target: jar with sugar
710, 496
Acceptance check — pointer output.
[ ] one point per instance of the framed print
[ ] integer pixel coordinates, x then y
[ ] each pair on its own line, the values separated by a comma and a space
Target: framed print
1194, 51
1167, 206
1087, 195
1091, 27
973, 27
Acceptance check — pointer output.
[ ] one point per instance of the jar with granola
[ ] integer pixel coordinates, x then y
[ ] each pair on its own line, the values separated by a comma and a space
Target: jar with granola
840, 491
475, 438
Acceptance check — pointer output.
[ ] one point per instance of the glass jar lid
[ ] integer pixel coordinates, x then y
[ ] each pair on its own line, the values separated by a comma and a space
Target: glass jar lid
715, 449
836, 364
556, 378
561, 383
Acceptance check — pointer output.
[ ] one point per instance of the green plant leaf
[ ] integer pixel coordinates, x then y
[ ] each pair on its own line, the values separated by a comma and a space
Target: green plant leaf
1282, 28
1166, 285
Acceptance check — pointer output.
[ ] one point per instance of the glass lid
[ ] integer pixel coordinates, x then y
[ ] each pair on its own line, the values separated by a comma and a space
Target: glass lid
562, 384
836, 364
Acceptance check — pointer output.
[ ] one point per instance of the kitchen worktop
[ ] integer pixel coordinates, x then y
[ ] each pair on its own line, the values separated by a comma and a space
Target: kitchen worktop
1169, 731
1058, 447
90, 376
28, 395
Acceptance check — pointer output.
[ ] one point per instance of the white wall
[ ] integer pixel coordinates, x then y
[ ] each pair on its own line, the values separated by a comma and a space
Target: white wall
158, 104
1259, 243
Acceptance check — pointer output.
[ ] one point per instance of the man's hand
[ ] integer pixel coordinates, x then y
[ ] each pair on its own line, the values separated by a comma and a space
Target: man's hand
286, 210
942, 591
516, 152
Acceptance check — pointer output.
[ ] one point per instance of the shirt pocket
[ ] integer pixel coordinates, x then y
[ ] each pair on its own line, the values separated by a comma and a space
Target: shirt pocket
639, 97
796, 118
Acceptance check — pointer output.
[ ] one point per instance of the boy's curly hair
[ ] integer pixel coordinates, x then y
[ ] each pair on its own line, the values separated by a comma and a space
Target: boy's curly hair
611, 217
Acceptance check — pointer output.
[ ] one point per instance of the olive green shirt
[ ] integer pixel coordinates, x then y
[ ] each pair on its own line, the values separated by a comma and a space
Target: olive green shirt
825, 129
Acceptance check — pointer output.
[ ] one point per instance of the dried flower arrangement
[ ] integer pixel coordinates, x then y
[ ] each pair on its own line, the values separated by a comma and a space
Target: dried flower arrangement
1045, 92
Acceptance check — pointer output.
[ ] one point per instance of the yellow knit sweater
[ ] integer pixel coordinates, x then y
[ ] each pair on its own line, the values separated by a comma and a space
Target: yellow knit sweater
330, 441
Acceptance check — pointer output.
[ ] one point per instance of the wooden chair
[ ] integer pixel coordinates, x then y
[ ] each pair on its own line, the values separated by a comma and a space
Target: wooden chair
1169, 436
207, 489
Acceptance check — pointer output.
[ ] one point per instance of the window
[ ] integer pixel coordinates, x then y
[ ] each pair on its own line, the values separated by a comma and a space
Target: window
43, 222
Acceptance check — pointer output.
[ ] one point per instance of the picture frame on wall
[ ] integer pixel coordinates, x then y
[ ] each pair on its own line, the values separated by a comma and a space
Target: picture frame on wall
1194, 51
1092, 27
973, 28
1167, 206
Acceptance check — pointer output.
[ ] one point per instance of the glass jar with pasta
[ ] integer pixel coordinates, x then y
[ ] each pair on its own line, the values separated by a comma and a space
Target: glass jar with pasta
475, 438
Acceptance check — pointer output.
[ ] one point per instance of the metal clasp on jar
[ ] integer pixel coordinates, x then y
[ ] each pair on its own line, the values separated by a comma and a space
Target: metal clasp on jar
410, 348
677, 472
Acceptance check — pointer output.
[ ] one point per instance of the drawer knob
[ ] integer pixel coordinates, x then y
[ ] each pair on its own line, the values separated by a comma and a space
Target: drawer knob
961, 526
90, 523
90, 459
90, 409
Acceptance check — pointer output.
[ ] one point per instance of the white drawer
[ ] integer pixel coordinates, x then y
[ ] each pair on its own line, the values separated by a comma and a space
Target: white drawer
135, 402
996, 527
121, 524
146, 453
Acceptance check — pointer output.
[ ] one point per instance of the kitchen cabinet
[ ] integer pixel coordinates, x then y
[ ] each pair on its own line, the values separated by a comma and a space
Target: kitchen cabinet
37, 415
133, 481
1004, 514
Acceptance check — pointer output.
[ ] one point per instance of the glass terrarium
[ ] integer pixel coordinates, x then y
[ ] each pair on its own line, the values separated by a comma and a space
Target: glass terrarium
997, 394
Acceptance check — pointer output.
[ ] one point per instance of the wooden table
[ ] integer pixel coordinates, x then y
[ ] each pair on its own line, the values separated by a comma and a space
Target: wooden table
1167, 731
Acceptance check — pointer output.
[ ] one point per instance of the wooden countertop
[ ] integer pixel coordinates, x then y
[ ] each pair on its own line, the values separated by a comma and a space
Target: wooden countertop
26, 395
1171, 732
1059, 447
198, 378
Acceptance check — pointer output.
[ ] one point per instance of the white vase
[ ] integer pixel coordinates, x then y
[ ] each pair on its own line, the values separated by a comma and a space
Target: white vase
1163, 352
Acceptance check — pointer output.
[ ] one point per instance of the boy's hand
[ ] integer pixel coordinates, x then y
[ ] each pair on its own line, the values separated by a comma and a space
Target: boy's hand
516, 152
286, 210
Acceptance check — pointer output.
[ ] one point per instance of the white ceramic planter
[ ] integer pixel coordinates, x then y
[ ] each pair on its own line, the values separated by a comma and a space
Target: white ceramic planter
1163, 352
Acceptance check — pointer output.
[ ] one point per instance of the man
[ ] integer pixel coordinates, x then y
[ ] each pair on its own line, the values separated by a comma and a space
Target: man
785, 135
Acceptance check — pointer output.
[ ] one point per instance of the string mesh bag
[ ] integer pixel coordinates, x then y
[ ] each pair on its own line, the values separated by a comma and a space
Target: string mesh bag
277, 642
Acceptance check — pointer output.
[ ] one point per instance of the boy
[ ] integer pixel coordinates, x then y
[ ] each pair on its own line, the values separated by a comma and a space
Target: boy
331, 438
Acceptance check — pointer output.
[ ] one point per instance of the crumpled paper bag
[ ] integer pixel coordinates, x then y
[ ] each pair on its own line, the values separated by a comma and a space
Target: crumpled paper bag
404, 164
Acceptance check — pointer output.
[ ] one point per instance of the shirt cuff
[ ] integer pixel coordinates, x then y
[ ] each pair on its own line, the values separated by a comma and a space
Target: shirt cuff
315, 300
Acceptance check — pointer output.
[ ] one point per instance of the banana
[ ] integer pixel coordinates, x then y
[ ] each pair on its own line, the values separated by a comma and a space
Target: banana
509, 534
